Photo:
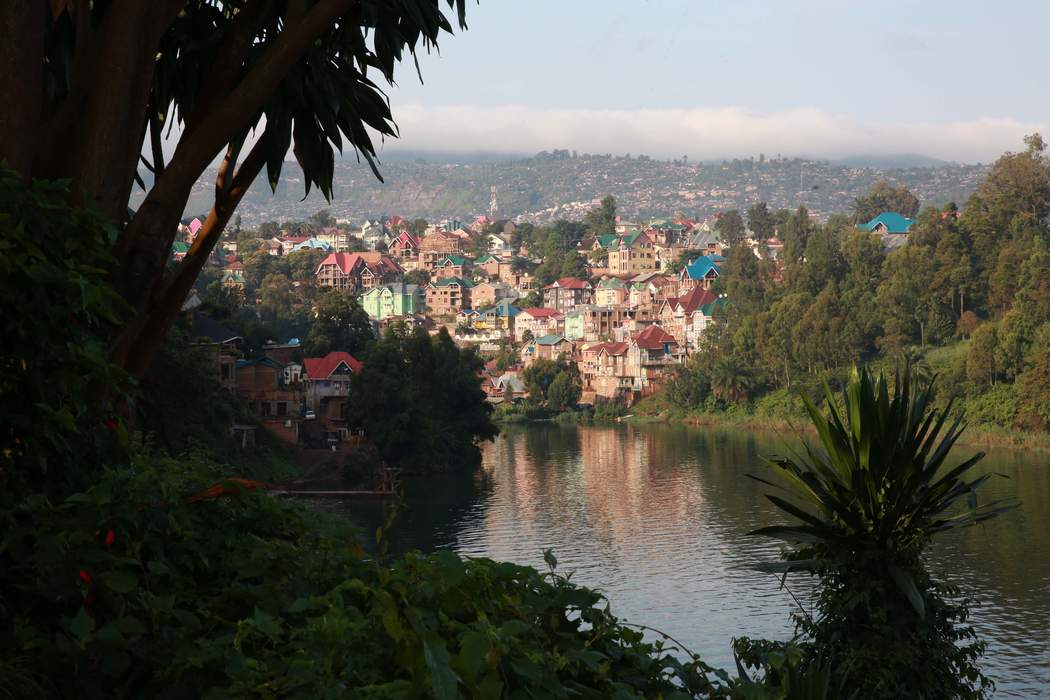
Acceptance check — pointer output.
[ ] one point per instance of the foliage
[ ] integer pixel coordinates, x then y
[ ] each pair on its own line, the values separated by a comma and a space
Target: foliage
59, 310
602, 219
339, 323
133, 589
885, 197
871, 498
555, 384
420, 401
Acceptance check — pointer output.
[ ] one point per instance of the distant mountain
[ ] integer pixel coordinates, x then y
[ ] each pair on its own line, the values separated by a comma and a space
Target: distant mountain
396, 155
560, 184
892, 160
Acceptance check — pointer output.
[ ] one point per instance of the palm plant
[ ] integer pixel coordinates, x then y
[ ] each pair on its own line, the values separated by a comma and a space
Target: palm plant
731, 380
873, 494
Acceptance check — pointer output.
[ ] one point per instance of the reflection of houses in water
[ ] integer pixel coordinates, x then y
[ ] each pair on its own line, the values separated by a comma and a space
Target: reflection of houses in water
611, 483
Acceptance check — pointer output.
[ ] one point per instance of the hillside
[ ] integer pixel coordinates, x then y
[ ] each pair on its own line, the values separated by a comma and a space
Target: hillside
558, 185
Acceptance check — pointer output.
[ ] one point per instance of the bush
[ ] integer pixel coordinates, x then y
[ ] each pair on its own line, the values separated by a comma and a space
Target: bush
994, 406
131, 589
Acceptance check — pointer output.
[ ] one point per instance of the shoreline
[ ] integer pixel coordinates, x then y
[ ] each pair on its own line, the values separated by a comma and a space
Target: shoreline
973, 436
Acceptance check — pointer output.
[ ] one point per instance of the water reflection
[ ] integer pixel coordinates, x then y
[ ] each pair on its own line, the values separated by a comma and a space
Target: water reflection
656, 516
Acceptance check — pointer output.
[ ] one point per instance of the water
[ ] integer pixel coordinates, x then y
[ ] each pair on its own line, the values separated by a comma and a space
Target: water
656, 517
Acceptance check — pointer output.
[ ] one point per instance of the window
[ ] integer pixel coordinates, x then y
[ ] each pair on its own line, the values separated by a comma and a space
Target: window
282, 409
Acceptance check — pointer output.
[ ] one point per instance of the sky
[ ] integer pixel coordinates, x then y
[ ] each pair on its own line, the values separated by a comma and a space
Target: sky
960, 80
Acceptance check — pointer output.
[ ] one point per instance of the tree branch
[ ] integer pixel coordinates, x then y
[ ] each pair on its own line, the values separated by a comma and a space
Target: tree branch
155, 141
137, 346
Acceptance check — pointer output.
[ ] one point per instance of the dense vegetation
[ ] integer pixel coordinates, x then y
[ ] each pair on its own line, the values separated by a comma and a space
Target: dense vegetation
970, 291
420, 401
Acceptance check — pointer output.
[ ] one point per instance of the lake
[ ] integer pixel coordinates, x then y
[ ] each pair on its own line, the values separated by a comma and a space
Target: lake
656, 517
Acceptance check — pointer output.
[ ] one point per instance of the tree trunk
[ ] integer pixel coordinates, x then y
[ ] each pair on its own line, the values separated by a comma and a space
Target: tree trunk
22, 24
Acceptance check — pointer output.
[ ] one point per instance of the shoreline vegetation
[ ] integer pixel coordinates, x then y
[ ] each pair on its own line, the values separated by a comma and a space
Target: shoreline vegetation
975, 435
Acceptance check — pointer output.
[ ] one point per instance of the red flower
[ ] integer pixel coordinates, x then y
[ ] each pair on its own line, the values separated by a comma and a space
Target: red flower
109, 539
111, 425
85, 577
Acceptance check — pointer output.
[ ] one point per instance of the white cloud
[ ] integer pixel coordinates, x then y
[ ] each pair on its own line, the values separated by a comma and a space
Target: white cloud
700, 133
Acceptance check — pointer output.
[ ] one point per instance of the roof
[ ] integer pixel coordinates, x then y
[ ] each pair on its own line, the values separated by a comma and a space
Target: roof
551, 340
406, 238
454, 259
538, 312
207, 327
608, 240
609, 348
611, 283
503, 309
347, 262
629, 239
312, 243
654, 338
693, 299
894, 222
509, 381
268, 361
449, 281
569, 283
484, 259
699, 268
322, 367
180, 246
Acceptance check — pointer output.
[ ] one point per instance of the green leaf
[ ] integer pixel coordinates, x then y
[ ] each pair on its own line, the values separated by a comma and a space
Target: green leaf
906, 582
82, 625
443, 680
120, 581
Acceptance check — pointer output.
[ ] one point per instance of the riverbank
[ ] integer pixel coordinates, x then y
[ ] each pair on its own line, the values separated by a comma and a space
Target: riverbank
979, 436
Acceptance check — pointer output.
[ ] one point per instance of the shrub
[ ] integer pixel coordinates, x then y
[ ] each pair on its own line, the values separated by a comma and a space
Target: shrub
131, 589
873, 496
994, 406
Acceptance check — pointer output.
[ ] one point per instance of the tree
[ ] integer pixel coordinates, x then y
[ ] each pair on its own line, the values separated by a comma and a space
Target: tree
602, 219
885, 197
981, 357
419, 276
731, 380
761, 221
97, 79
420, 401
730, 227
1033, 386
863, 509
553, 383
302, 264
322, 219
564, 392
339, 323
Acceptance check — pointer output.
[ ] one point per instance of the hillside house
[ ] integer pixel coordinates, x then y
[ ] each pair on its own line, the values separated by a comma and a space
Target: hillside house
631, 254
395, 299
454, 265
326, 386
687, 316
701, 272
567, 293
447, 296
436, 247
357, 271
538, 322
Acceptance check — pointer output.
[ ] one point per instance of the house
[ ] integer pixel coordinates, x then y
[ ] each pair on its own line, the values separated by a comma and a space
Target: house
538, 322
337, 238
222, 346
610, 291
511, 387
604, 371
501, 316
488, 293
705, 241
499, 244
179, 250
372, 233
395, 299
448, 295
289, 242
261, 385
548, 347
326, 386
467, 317
494, 268
567, 293
688, 315
454, 265
436, 247
631, 254
650, 356
701, 272
233, 276
357, 271
313, 243
404, 247
888, 223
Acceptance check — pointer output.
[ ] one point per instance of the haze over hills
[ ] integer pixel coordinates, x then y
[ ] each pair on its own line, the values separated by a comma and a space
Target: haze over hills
565, 184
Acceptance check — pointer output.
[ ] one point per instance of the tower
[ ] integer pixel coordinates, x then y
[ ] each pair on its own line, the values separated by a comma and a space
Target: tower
493, 203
